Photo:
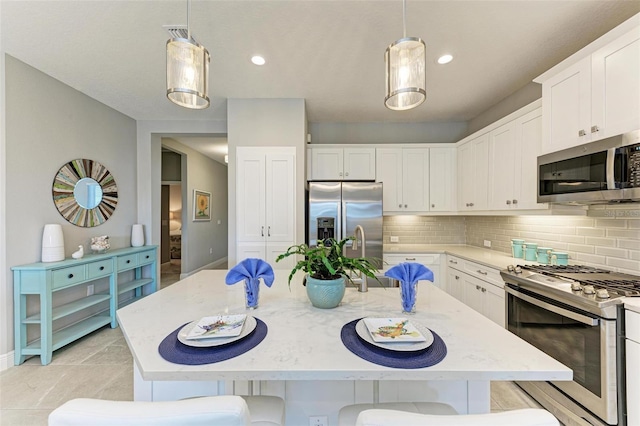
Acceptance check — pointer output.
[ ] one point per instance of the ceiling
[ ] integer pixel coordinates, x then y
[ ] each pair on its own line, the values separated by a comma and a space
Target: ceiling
329, 52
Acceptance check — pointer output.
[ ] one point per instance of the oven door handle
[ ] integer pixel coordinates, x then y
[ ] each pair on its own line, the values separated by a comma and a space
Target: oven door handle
553, 308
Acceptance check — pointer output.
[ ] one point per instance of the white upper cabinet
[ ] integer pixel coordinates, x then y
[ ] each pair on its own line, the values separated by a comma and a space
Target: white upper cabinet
442, 179
404, 173
473, 174
514, 148
596, 97
330, 163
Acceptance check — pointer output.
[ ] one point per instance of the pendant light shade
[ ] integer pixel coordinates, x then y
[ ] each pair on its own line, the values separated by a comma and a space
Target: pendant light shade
187, 70
405, 62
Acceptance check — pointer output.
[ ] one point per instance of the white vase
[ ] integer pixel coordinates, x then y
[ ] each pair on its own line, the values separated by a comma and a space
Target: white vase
137, 235
52, 243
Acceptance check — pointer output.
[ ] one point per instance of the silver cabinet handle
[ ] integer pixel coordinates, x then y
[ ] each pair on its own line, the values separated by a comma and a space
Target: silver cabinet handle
400, 205
268, 231
582, 133
433, 205
594, 129
262, 231
515, 201
481, 272
508, 202
409, 258
484, 290
457, 277
470, 204
477, 287
453, 261
346, 173
405, 206
340, 174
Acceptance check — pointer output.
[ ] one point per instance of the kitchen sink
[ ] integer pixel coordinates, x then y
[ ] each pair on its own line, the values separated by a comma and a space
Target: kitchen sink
381, 281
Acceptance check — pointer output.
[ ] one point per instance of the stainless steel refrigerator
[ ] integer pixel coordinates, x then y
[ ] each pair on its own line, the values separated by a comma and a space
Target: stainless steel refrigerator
335, 209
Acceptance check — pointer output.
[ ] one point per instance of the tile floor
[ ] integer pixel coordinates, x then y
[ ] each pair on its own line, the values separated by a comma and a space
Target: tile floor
100, 366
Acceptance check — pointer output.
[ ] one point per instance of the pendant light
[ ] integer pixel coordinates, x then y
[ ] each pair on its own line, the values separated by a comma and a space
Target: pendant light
187, 70
405, 62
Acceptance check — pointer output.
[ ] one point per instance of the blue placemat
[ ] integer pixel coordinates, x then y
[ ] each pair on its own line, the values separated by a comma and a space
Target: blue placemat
396, 359
174, 351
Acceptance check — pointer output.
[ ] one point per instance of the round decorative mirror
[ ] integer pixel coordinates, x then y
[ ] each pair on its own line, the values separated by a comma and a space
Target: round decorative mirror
85, 193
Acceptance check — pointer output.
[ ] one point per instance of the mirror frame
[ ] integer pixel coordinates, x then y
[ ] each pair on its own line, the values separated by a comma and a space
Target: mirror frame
64, 184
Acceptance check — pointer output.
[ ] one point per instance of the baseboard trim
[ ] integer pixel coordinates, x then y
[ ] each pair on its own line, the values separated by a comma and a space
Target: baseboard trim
6, 361
212, 265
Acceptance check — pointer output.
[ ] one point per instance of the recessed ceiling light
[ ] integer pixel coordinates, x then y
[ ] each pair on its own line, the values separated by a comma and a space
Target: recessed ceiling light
258, 60
445, 59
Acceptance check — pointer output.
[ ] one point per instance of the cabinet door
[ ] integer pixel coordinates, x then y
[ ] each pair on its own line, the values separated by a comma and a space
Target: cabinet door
615, 106
250, 250
389, 172
415, 179
494, 304
529, 142
566, 102
633, 382
250, 196
359, 163
502, 148
442, 179
473, 295
465, 176
480, 173
280, 197
326, 164
455, 284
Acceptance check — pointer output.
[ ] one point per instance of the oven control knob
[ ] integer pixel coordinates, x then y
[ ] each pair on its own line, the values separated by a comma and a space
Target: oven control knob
518, 270
602, 293
510, 268
588, 289
575, 286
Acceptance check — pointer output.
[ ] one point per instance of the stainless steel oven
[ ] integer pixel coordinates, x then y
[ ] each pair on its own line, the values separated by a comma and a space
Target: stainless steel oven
579, 324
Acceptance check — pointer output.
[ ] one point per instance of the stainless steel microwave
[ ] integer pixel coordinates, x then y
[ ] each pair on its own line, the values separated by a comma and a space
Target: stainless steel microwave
605, 171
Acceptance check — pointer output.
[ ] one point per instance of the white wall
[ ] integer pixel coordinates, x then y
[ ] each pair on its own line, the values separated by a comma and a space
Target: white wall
47, 125
266, 122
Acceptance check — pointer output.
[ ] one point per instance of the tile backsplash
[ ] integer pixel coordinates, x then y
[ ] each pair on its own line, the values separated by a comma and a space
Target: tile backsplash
612, 243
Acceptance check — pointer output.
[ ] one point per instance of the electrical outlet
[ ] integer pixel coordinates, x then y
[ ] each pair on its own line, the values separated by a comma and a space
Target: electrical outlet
395, 239
318, 421
487, 243
210, 251
90, 289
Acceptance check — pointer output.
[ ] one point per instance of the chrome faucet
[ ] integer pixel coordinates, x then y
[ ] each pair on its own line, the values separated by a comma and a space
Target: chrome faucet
364, 287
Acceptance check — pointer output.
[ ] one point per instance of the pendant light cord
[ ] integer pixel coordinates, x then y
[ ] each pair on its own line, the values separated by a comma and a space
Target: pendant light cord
404, 18
188, 18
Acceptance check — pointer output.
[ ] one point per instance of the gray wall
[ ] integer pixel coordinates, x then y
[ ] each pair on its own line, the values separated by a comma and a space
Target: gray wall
379, 133
47, 125
199, 238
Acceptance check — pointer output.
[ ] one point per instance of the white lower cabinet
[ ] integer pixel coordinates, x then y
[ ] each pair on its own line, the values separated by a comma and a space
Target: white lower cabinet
478, 287
430, 260
633, 367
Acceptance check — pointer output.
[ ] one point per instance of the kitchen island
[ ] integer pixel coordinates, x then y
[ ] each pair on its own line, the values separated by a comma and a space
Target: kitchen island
303, 359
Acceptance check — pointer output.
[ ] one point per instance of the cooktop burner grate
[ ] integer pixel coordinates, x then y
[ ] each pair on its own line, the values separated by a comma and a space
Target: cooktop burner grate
622, 287
567, 269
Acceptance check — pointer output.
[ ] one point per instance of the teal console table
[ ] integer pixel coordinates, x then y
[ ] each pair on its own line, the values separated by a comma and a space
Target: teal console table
44, 279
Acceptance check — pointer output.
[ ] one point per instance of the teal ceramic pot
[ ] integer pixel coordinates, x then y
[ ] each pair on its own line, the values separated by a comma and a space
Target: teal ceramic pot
516, 247
530, 251
559, 258
325, 294
544, 255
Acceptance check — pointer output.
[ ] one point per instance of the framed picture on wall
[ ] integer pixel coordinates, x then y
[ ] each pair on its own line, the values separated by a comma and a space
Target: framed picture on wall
201, 205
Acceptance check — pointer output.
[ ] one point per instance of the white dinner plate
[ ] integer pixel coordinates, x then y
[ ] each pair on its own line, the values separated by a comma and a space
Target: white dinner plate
363, 332
249, 325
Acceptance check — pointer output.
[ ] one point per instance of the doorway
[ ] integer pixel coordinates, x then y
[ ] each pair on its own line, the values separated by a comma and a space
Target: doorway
171, 217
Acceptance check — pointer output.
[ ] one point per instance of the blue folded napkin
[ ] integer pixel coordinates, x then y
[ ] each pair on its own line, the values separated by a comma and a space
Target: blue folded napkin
251, 270
409, 274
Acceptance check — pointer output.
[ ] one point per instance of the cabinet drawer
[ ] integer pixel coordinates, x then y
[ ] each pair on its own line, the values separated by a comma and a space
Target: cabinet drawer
484, 273
455, 262
633, 325
127, 262
146, 257
99, 269
69, 276
425, 259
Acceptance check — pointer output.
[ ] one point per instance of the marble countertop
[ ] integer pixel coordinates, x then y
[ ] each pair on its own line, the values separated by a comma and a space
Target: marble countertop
303, 342
489, 258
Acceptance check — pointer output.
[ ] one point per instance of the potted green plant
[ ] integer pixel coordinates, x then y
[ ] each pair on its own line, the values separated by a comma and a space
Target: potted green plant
328, 269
